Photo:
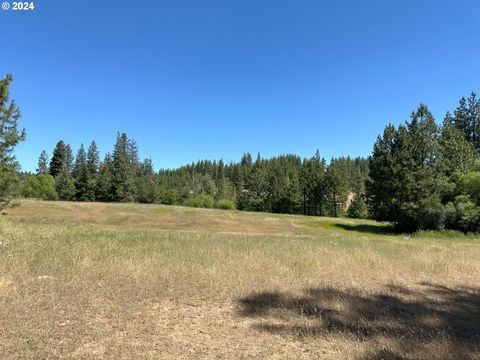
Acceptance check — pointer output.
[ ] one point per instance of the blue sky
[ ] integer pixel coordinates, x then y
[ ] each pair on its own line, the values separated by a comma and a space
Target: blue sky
213, 79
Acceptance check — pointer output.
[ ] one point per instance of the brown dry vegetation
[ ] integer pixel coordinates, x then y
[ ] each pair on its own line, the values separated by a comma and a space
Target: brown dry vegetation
124, 281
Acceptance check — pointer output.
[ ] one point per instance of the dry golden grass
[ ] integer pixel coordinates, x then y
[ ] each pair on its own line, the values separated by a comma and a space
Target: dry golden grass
123, 281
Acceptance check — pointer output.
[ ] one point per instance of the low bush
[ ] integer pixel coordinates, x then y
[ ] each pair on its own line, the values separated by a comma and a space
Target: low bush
201, 201
40, 186
225, 204
358, 208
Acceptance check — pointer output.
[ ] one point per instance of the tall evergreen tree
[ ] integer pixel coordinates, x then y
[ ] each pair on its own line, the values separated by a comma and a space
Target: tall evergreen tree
319, 189
312, 184
460, 118
42, 163
246, 160
103, 186
458, 154
474, 120
407, 181
131, 150
254, 193
68, 162
57, 163
382, 183
80, 162
123, 169
467, 119
146, 183
10, 136
336, 188
65, 185
147, 167
84, 183
93, 159
306, 184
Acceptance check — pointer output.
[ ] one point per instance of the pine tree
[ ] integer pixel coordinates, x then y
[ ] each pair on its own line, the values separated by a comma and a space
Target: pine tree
103, 186
68, 158
147, 167
474, 120
146, 183
457, 153
80, 162
57, 163
306, 184
406, 175
123, 166
358, 208
336, 187
381, 184
65, 185
84, 183
93, 159
460, 118
312, 184
132, 151
221, 170
43, 163
254, 194
467, 119
246, 160
10, 136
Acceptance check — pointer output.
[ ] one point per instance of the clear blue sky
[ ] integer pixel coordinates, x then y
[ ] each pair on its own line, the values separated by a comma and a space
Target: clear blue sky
213, 79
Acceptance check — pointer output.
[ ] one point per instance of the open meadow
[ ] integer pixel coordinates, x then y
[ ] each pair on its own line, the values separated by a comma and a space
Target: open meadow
129, 281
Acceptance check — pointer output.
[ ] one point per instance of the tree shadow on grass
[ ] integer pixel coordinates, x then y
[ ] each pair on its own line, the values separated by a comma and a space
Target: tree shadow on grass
435, 322
366, 228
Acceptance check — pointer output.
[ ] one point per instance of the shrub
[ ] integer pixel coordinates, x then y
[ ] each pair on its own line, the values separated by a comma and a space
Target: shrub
470, 184
468, 215
431, 215
200, 201
225, 204
41, 186
450, 216
167, 196
358, 208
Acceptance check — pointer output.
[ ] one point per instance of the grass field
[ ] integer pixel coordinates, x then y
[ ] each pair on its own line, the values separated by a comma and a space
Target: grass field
124, 281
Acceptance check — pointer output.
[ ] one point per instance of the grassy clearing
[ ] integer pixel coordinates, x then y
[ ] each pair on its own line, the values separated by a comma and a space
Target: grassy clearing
83, 280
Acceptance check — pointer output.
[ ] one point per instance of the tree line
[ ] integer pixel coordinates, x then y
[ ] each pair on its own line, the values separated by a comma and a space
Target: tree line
283, 184
421, 175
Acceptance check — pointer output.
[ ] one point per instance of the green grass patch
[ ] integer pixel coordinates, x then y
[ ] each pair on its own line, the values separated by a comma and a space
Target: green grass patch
163, 210
445, 235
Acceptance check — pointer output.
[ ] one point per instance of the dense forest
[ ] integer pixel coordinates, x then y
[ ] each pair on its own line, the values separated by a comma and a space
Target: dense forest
421, 175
